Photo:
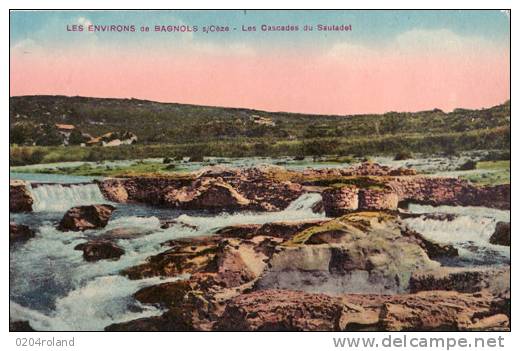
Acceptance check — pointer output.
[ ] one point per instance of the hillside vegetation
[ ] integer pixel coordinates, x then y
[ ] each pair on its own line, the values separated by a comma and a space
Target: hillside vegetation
174, 130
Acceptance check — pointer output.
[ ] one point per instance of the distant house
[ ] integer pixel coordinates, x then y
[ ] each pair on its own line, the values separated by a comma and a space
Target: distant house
266, 121
113, 139
65, 130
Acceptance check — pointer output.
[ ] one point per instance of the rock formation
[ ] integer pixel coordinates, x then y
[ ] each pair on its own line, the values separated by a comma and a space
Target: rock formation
502, 234
19, 232
210, 189
20, 199
318, 275
86, 217
96, 250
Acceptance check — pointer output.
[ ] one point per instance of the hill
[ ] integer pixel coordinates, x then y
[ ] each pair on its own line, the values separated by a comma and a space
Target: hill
210, 130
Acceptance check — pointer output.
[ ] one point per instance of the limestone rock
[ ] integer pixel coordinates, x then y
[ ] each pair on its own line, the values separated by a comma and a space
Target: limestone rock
20, 199
96, 250
502, 234
86, 217
19, 232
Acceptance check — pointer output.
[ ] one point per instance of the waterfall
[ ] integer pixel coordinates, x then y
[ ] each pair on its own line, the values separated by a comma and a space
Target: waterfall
304, 202
469, 231
298, 210
59, 198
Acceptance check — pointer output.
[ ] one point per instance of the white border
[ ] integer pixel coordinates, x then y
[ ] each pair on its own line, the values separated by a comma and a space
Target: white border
228, 341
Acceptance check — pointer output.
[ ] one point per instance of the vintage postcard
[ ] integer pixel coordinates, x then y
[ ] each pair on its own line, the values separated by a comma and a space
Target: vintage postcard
259, 170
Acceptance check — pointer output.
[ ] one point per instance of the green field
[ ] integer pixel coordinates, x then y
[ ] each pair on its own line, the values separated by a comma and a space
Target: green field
500, 173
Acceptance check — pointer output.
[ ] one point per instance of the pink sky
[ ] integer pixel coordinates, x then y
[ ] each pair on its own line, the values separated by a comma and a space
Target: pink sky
356, 81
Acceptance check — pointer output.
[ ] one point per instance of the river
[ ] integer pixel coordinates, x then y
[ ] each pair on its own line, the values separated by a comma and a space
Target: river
54, 288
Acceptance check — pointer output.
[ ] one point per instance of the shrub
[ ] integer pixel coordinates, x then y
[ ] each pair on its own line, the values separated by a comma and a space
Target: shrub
497, 156
403, 155
468, 165
77, 138
19, 156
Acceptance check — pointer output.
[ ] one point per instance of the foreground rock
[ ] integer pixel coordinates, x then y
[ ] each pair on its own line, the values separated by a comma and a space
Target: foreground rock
86, 217
279, 310
230, 261
461, 279
502, 234
360, 252
444, 310
285, 310
20, 326
20, 199
301, 276
19, 232
366, 250
100, 250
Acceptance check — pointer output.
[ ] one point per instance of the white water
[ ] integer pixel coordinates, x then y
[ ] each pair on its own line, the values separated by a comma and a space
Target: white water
469, 231
55, 289
59, 198
299, 209
102, 301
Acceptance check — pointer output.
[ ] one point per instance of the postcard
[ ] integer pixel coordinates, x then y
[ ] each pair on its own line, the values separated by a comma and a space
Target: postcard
260, 170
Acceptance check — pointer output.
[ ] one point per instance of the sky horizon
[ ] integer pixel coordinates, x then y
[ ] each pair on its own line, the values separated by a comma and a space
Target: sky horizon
388, 61
265, 110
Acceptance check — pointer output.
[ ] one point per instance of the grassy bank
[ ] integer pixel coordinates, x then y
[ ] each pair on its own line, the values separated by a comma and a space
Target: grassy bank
499, 173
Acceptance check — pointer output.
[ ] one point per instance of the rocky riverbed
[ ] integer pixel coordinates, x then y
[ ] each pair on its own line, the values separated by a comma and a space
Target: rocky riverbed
368, 247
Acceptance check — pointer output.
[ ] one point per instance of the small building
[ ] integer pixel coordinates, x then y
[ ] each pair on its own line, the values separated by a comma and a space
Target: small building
65, 127
266, 121
114, 139
65, 130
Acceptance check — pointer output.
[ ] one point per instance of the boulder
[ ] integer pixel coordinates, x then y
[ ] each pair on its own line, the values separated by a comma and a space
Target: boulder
86, 217
233, 262
168, 223
433, 249
207, 194
113, 190
318, 207
148, 190
186, 256
187, 306
20, 199
19, 232
377, 199
96, 250
502, 234
340, 201
363, 252
125, 233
